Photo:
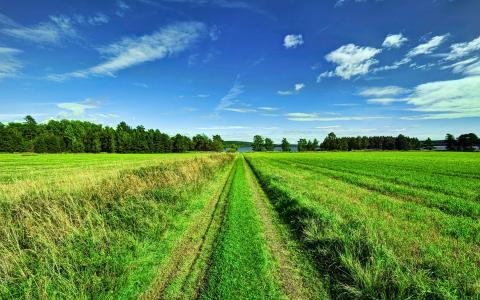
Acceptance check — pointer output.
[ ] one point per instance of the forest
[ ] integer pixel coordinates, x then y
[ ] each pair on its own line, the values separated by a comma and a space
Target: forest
465, 142
74, 136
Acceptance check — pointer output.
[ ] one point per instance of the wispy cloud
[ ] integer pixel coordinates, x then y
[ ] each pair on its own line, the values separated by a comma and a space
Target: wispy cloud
394, 41
240, 109
310, 117
122, 7
79, 108
460, 50
384, 101
383, 91
351, 60
422, 49
53, 31
129, 52
296, 89
268, 108
428, 47
450, 99
292, 41
94, 20
202, 96
468, 66
9, 63
231, 97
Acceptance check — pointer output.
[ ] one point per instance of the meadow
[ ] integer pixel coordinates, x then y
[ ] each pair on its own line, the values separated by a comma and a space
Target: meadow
376, 225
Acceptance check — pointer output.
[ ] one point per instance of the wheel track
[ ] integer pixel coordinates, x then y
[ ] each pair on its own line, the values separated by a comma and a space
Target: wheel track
188, 251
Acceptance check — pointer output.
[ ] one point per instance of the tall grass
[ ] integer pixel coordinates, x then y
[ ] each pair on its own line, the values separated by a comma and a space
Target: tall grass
81, 243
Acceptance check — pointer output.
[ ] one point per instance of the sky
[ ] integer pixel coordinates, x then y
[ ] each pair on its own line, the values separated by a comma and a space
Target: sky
285, 68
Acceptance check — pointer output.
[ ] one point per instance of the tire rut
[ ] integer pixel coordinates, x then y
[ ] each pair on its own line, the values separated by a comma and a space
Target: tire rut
188, 251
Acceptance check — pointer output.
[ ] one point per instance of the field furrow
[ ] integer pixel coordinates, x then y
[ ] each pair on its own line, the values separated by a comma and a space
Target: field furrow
369, 243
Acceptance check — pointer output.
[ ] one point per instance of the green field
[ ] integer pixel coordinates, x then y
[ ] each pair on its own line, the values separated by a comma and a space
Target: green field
376, 225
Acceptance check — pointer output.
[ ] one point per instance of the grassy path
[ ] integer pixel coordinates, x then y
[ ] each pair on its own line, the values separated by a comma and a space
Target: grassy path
254, 257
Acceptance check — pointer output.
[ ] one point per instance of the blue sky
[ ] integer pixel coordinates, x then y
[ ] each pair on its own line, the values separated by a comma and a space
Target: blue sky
238, 68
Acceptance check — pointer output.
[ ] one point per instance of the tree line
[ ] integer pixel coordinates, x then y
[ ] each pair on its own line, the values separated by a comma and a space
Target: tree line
465, 142
85, 137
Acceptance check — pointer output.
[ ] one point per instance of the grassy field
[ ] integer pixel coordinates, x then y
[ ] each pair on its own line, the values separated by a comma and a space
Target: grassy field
382, 225
254, 226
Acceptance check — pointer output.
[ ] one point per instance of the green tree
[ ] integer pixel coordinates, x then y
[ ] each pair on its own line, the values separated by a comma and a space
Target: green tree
217, 143
180, 143
330, 142
302, 145
450, 142
467, 142
286, 145
269, 146
314, 145
342, 144
258, 143
428, 144
201, 142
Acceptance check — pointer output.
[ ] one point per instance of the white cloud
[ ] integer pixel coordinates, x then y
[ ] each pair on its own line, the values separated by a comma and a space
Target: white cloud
167, 41
202, 96
351, 61
240, 109
342, 2
383, 91
231, 97
296, 89
53, 31
394, 41
428, 47
328, 127
267, 108
292, 41
463, 66
78, 108
384, 101
285, 93
9, 64
97, 19
122, 7
310, 117
460, 50
448, 99
299, 86
422, 49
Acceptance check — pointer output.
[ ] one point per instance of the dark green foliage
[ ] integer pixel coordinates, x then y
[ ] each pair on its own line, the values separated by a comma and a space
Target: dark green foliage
285, 145
332, 143
302, 145
258, 143
180, 143
467, 142
428, 144
73, 136
216, 144
450, 142
269, 146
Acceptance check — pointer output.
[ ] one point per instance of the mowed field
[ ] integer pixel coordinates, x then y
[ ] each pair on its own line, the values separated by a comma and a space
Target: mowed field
377, 225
